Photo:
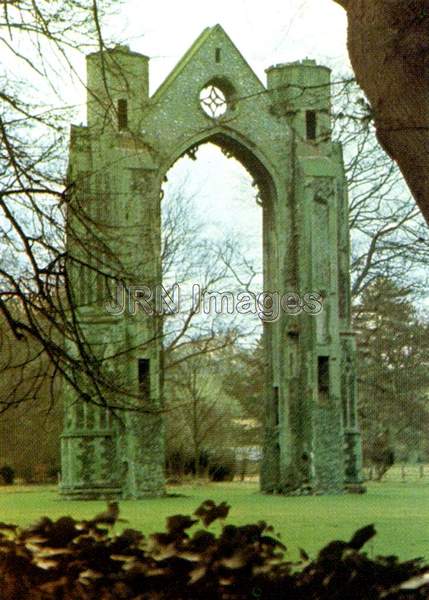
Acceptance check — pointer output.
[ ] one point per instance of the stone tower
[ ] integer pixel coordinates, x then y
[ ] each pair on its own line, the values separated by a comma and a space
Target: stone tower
281, 133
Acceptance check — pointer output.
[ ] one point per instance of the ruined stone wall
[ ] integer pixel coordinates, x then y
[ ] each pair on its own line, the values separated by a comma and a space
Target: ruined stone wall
282, 134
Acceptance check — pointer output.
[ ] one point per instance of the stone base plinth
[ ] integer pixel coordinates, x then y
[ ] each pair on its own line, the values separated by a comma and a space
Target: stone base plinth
90, 493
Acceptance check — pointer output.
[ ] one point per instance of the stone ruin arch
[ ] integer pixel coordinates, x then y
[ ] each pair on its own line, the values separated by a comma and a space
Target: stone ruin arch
281, 133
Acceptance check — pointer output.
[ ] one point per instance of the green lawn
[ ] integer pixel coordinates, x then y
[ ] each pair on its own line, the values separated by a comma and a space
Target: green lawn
400, 512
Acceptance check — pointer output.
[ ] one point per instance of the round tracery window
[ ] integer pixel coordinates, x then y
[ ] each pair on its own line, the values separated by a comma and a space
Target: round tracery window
213, 101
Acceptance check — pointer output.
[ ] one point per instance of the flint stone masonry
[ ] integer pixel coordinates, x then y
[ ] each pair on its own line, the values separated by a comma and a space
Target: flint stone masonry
281, 133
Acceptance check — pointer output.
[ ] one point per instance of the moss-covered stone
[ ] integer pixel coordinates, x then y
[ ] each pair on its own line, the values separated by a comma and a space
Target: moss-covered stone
282, 134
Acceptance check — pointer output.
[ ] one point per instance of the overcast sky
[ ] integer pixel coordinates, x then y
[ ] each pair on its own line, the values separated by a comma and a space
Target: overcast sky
265, 32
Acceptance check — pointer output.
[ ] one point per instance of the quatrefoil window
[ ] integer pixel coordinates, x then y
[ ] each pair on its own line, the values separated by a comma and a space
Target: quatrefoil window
213, 101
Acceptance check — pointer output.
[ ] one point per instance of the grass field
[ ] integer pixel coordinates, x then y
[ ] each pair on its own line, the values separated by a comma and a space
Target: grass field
400, 512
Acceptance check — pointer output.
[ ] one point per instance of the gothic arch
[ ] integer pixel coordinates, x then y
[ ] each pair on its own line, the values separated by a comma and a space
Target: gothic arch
233, 144
310, 445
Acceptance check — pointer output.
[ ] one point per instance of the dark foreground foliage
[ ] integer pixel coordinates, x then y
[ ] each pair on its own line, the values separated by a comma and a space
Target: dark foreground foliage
66, 559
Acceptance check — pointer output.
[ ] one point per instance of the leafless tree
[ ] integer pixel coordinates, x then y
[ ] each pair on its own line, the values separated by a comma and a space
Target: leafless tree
189, 257
389, 235
200, 415
37, 304
39, 40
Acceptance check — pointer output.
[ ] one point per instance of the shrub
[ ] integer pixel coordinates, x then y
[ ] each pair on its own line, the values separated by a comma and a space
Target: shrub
7, 474
70, 560
222, 466
53, 472
181, 462
221, 472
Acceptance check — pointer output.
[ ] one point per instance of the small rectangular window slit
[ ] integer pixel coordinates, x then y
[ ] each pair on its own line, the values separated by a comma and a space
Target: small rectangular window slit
217, 55
122, 114
144, 377
323, 375
276, 405
311, 124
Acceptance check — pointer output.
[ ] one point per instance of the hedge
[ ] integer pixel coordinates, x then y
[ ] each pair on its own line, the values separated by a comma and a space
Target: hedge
67, 559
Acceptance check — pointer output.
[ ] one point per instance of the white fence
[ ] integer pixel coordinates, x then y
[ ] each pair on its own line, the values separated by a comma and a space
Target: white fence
401, 472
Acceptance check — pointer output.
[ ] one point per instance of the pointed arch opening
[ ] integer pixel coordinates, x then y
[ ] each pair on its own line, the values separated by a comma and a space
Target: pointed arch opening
218, 251
233, 145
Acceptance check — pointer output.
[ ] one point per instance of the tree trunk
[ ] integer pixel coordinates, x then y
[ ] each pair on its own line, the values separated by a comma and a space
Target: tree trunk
388, 44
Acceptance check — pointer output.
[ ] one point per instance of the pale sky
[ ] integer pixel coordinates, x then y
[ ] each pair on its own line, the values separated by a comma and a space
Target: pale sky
265, 32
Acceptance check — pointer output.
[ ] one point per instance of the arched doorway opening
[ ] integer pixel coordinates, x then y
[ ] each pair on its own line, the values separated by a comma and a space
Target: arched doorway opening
212, 221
